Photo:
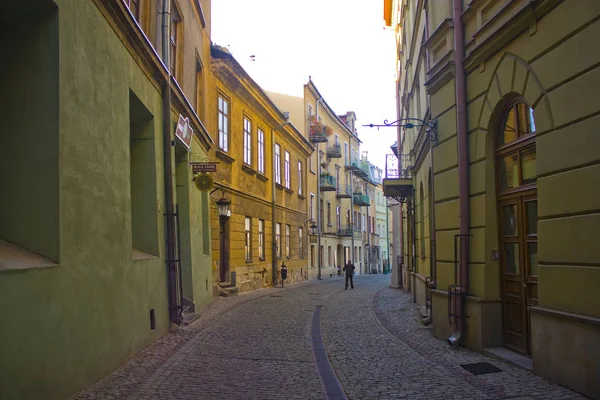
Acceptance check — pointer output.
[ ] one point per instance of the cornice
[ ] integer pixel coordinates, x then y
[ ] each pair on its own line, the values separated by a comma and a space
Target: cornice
137, 43
438, 33
441, 72
180, 102
496, 33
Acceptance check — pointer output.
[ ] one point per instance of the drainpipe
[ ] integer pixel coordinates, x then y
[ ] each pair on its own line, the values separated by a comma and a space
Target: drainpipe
463, 170
273, 197
172, 277
432, 248
319, 255
387, 233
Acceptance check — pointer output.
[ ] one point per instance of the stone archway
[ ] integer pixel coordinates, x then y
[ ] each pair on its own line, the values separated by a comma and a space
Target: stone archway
512, 81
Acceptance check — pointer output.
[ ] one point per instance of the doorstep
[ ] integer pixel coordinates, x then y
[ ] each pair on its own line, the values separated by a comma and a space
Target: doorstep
511, 357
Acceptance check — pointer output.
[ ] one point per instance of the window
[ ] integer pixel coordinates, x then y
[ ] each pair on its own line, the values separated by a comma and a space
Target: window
286, 169
300, 180
338, 218
247, 141
223, 123
248, 239
329, 255
199, 95
134, 7
300, 243
175, 33
321, 216
348, 220
287, 240
312, 206
329, 213
261, 151
278, 239
277, 165
261, 239
422, 219
346, 155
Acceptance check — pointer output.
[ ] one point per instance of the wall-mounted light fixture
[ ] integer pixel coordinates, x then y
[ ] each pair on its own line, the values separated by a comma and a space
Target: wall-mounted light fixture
223, 207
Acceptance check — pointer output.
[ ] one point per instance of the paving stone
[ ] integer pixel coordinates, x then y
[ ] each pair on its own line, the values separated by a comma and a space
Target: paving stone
258, 345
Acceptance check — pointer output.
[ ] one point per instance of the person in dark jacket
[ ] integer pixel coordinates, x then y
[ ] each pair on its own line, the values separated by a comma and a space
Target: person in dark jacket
349, 268
283, 273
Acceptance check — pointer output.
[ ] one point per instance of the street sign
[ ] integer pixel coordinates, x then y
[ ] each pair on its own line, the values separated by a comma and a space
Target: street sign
198, 167
184, 131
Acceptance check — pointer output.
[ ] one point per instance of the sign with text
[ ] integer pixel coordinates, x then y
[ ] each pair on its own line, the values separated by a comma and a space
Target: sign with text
184, 131
198, 167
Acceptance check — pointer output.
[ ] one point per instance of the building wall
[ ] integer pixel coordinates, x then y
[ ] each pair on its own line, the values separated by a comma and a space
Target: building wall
69, 324
543, 62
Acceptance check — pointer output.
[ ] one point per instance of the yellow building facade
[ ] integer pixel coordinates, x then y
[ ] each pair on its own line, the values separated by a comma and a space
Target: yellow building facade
263, 174
511, 86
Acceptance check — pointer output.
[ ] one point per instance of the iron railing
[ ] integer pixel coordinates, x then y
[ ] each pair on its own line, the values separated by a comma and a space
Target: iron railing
397, 168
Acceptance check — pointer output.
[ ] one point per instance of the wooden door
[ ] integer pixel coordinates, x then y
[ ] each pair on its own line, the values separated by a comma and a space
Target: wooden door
517, 215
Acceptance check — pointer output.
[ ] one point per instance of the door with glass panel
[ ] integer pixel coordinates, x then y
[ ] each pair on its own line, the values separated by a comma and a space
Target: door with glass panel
517, 205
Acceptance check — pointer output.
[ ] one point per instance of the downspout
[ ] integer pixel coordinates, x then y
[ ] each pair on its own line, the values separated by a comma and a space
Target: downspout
413, 240
273, 198
368, 237
387, 234
168, 170
463, 171
319, 255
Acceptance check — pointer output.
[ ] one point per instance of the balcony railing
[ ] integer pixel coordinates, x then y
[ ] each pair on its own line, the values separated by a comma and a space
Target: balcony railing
334, 151
328, 183
362, 200
397, 168
317, 137
348, 231
343, 193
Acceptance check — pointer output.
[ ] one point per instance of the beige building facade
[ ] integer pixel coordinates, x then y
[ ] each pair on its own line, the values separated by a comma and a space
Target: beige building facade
511, 86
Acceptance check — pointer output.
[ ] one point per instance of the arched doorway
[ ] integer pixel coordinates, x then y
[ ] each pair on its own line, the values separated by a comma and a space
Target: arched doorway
516, 179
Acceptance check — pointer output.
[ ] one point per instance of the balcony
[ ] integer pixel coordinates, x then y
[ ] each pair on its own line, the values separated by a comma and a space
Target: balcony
334, 151
317, 137
346, 232
343, 194
362, 200
351, 166
398, 182
328, 183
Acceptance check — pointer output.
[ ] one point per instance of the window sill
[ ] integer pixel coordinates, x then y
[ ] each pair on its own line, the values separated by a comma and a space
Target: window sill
279, 186
248, 169
261, 258
290, 191
139, 255
14, 258
224, 156
248, 261
262, 177
301, 197
313, 172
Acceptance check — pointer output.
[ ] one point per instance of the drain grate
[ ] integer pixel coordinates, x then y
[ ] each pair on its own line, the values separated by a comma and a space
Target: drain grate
481, 368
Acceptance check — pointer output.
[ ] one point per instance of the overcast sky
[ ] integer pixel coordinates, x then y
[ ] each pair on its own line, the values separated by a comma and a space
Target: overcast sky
341, 44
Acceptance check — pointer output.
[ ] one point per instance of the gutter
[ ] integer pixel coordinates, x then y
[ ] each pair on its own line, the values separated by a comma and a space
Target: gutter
172, 270
463, 174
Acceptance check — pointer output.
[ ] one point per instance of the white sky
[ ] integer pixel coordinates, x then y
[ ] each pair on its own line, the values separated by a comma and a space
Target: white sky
341, 44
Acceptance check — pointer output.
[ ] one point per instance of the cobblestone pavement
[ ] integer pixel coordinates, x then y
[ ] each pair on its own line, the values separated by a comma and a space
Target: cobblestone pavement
259, 345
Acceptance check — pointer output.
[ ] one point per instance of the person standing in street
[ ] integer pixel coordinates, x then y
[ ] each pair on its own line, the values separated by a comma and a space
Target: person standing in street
349, 268
283, 273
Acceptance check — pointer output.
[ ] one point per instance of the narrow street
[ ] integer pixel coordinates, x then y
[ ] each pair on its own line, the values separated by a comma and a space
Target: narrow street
266, 345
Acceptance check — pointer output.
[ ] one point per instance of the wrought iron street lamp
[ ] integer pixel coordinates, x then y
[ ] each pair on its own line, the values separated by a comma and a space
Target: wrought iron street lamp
223, 207
409, 123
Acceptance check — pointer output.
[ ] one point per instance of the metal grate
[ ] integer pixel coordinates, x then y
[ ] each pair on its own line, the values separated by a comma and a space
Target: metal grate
481, 368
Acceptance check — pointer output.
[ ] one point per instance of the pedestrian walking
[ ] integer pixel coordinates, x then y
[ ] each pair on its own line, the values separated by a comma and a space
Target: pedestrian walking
349, 268
283, 273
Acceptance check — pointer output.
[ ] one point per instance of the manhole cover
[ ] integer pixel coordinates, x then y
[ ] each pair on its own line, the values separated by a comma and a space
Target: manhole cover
481, 368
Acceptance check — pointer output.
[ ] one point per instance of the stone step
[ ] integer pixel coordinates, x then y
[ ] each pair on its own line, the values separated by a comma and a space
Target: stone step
228, 291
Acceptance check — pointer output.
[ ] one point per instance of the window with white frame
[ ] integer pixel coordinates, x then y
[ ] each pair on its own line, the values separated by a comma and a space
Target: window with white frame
338, 218
278, 239
223, 123
247, 141
248, 239
287, 241
300, 180
312, 206
277, 165
261, 239
286, 169
261, 151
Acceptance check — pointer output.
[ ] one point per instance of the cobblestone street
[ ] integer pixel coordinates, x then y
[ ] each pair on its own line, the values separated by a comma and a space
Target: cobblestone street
266, 345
